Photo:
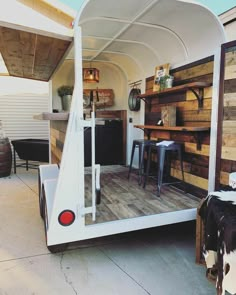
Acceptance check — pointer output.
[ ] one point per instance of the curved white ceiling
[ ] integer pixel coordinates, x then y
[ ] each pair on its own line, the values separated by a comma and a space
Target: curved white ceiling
144, 33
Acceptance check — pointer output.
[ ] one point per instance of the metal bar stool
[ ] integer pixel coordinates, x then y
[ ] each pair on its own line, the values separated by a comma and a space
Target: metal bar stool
161, 153
142, 145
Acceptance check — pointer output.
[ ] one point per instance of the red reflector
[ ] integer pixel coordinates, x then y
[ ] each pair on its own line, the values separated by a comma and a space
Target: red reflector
66, 217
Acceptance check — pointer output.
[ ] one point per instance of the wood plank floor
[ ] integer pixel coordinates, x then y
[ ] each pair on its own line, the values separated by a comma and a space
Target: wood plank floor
122, 198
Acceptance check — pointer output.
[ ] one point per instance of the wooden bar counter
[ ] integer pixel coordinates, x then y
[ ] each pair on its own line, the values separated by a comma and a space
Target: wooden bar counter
110, 136
197, 131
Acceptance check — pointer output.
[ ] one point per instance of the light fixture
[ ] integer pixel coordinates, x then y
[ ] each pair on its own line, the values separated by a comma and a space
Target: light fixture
90, 75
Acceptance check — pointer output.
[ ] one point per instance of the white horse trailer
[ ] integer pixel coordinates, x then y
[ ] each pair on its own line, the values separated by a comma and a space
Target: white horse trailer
135, 36
62, 192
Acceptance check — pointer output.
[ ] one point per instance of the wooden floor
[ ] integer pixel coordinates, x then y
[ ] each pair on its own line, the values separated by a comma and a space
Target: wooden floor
122, 198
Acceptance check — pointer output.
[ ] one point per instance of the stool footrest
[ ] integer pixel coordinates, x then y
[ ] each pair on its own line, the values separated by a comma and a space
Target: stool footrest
169, 183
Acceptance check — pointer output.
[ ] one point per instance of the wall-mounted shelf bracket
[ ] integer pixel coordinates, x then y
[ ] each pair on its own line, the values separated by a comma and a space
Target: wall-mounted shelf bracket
199, 95
198, 138
176, 89
148, 102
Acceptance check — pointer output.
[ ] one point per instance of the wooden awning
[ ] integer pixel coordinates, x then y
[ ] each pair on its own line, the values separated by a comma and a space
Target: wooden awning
31, 55
31, 44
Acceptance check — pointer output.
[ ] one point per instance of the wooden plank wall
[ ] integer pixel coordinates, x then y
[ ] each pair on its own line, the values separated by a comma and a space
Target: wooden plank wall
228, 152
196, 161
228, 146
29, 55
57, 137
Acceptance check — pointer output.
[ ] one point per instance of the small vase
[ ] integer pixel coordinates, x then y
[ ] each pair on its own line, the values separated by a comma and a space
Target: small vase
66, 102
169, 82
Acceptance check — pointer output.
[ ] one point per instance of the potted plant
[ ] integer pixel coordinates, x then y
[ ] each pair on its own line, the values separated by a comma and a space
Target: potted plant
166, 81
65, 92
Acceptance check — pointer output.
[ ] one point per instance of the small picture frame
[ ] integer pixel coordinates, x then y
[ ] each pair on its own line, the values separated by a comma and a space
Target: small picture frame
160, 71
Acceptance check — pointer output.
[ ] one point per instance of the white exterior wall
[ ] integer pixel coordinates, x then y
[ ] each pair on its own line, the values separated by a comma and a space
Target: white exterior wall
16, 113
20, 100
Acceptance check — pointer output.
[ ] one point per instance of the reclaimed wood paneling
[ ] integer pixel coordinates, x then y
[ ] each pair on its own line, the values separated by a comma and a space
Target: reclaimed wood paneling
229, 127
224, 178
57, 131
229, 140
230, 113
230, 86
193, 72
228, 153
29, 55
228, 144
196, 115
230, 65
207, 94
228, 165
196, 161
191, 179
229, 99
192, 148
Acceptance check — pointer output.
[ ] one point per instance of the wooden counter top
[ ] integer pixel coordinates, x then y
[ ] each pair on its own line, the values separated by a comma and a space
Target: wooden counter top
197, 131
52, 116
173, 128
64, 116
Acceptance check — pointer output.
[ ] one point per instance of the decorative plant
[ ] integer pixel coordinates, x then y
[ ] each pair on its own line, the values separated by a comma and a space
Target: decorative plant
162, 81
65, 90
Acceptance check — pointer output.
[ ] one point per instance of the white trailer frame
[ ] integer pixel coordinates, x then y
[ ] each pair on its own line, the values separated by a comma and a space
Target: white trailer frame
63, 188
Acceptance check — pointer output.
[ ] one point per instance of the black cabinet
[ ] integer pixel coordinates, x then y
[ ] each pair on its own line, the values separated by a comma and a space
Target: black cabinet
108, 143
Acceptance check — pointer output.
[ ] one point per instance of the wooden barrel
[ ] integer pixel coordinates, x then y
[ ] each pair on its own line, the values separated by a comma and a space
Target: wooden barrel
5, 157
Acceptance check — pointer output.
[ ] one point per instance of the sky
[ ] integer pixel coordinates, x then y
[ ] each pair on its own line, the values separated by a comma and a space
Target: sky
217, 6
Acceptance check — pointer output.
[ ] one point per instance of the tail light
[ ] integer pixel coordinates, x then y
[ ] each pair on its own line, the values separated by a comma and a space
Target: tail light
66, 217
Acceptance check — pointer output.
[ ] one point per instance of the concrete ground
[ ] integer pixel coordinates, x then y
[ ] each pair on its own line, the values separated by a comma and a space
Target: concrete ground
158, 261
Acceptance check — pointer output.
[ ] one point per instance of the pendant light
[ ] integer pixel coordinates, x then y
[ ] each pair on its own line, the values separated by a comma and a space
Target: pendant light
90, 75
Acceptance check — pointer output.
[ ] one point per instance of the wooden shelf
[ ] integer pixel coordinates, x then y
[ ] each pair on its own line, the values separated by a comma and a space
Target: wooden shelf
181, 88
173, 128
197, 131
